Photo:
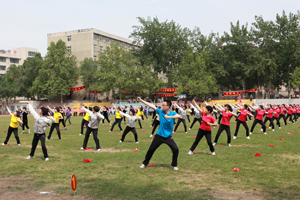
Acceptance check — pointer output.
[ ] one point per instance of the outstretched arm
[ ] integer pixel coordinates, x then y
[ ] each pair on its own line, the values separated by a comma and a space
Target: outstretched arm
8, 110
124, 114
177, 116
150, 105
32, 111
86, 110
198, 108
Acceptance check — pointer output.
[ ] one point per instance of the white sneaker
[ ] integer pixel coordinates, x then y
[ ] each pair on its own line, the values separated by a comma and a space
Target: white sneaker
190, 153
265, 133
150, 126
98, 149
250, 133
279, 127
293, 123
121, 141
229, 145
248, 138
175, 168
261, 129
214, 144
136, 142
234, 137
151, 135
190, 129
213, 153
142, 166
46, 159
80, 134
273, 130
2, 144
81, 148
29, 157
109, 130
270, 127
19, 144
185, 132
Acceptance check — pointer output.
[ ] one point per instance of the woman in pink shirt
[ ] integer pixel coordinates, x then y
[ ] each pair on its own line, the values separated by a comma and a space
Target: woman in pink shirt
225, 123
259, 118
282, 113
276, 112
269, 117
205, 128
242, 120
290, 113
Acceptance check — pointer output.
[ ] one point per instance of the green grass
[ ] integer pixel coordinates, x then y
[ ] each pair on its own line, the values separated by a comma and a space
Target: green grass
114, 172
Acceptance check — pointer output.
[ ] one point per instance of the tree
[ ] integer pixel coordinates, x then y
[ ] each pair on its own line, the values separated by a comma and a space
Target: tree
88, 69
295, 78
161, 45
194, 76
59, 72
10, 83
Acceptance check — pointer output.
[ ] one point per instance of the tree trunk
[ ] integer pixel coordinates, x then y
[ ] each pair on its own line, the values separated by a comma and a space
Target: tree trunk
120, 93
61, 98
6, 99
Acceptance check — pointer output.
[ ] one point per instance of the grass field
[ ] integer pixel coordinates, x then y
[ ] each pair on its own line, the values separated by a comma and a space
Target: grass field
114, 172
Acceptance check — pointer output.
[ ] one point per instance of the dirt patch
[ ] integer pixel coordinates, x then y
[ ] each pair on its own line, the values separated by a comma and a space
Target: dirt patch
111, 150
235, 195
292, 157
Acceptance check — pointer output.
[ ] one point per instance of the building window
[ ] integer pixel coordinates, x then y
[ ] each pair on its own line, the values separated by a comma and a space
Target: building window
101, 38
95, 37
112, 41
14, 60
1, 74
101, 48
106, 40
31, 53
95, 57
2, 59
128, 46
2, 67
95, 47
69, 48
69, 38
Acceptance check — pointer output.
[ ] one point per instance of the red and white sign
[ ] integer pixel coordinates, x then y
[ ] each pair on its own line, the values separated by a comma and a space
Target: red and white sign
77, 88
234, 93
165, 95
73, 182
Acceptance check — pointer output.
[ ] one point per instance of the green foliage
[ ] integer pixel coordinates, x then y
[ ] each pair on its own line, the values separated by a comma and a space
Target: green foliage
10, 83
295, 78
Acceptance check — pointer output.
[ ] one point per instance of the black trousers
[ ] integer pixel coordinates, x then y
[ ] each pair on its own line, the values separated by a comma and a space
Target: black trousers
195, 120
127, 129
260, 122
154, 121
295, 116
291, 117
146, 114
117, 121
270, 120
9, 132
155, 125
178, 122
68, 118
54, 126
277, 119
105, 114
284, 118
140, 123
238, 123
63, 122
83, 122
156, 142
95, 135
207, 135
188, 117
220, 130
219, 121
35, 141
25, 124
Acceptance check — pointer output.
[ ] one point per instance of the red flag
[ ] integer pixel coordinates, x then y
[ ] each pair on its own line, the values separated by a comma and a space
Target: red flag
257, 154
236, 169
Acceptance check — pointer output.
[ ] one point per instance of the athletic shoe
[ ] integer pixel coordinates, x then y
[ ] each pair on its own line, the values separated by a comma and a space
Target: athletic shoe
265, 133
261, 129
248, 137
121, 141
23, 132
213, 153
46, 159
190, 129
47, 139
109, 130
28, 131
270, 127
98, 149
136, 142
185, 132
121, 131
80, 134
2, 144
175, 168
65, 128
279, 127
250, 133
19, 144
273, 130
29, 157
150, 126
81, 148
190, 153
234, 137
229, 145
174, 131
214, 144
151, 135
142, 166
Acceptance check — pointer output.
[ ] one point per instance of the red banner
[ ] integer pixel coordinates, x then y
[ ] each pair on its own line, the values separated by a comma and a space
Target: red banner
165, 95
77, 88
138, 92
168, 90
95, 92
234, 93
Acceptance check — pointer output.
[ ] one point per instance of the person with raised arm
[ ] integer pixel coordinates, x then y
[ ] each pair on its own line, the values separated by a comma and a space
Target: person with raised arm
155, 124
57, 116
140, 113
69, 115
205, 128
118, 119
269, 116
164, 133
183, 114
25, 120
85, 120
198, 116
105, 114
283, 109
92, 126
242, 120
130, 125
259, 118
40, 125
225, 123
13, 126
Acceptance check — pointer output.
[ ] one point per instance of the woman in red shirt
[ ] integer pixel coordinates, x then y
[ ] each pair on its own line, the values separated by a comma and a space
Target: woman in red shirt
205, 128
269, 117
225, 123
282, 113
276, 115
259, 118
290, 113
242, 120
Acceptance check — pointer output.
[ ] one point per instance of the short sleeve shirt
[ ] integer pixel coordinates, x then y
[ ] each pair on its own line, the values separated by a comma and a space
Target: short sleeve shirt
166, 125
206, 119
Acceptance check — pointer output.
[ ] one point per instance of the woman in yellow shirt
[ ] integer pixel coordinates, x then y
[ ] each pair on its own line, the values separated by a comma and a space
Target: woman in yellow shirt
13, 126
118, 119
57, 116
140, 113
85, 120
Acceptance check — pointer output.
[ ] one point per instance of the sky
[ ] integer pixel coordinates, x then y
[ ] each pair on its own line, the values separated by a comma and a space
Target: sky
27, 23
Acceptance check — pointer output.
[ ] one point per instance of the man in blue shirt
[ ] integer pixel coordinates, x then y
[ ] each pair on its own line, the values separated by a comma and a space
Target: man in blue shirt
164, 133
